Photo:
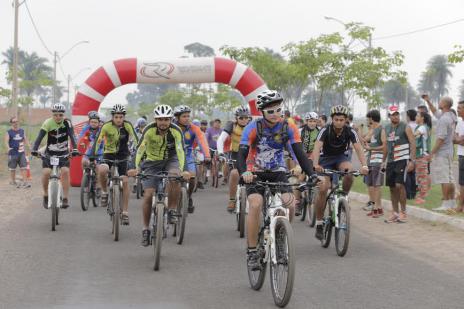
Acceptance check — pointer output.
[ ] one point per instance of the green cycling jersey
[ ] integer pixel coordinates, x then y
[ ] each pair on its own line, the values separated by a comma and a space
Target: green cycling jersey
155, 147
116, 139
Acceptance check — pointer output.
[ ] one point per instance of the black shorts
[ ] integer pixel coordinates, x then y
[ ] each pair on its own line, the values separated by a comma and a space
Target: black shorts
122, 166
396, 173
15, 160
233, 156
64, 162
461, 170
271, 177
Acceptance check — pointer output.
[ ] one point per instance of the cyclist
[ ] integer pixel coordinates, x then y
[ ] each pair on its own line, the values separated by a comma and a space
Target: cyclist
229, 141
204, 126
88, 136
117, 132
262, 151
163, 148
192, 134
331, 152
59, 132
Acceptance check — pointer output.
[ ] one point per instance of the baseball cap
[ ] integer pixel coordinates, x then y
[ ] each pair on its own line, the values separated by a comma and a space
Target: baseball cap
393, 109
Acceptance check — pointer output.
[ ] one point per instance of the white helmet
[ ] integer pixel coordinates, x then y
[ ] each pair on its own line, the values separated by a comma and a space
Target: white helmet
178, 110
311, 115
118, 109
58, 108
163, 111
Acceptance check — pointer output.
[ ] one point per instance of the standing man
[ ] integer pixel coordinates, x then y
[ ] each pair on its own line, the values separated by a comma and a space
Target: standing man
411, 186
376, 145
459, 140
442, 153
401, 157
15, 140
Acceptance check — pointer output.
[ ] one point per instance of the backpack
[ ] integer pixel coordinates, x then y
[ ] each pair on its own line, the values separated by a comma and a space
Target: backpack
282, 134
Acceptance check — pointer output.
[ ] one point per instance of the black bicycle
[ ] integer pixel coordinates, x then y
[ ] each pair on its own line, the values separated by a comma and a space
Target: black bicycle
89, 190
308, 212
159, 214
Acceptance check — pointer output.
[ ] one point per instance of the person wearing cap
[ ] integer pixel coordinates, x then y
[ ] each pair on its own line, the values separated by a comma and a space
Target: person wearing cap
400, 159
15, 141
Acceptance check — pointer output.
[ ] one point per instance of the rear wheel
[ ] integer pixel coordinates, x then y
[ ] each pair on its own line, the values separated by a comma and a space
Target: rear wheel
215, 173
342, 232
304, 206
138, 188
158, 237
242, 214
283, 271
311, 208
116, 203
53, 188
182, 211
85, 191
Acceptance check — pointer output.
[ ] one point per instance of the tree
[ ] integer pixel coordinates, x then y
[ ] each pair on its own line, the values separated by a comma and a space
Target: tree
199, 50
224, 99
456, 56
435, 79
149, 93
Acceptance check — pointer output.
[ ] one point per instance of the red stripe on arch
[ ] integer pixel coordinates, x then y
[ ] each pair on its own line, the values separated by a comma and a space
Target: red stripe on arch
84, 104
249, 82
100, 81
127, 70
254, 111
223, 69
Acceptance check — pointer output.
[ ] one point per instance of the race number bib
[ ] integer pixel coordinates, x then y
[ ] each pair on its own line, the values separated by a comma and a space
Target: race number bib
54, 161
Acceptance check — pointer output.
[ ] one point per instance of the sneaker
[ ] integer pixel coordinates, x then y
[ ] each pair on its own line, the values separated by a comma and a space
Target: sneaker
419, 201
231, 206
191, 208
372, 213
253, 260
172, 216
403, 217
45, 202
65, 203
104, 199
200, 185
26, 185
368, 206
394, 218
134, 188
319, 232
297, 208
145, 238
125, 219
380, 212
13, 183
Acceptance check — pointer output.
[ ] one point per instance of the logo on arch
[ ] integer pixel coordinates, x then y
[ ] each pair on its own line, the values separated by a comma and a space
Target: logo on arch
157, 70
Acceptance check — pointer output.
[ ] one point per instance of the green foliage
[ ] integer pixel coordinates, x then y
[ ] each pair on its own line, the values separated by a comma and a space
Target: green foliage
435, 79
457, 56
199, 50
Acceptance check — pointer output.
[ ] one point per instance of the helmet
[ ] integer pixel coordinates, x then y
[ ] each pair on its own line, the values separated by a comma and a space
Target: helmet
204, 122
140, 122
118, 109
93, 115
178, 110
162, 111
196, 122
242, 111
102, 117
58, 108
267, 98
339, 110
311, 115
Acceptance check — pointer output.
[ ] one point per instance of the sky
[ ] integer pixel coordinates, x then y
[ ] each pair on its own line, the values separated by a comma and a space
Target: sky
158, 30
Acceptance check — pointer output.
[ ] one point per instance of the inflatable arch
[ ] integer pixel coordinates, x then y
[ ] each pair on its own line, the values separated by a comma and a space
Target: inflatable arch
182, 70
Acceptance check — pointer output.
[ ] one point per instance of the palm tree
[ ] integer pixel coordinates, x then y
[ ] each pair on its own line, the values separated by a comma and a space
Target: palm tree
435, 79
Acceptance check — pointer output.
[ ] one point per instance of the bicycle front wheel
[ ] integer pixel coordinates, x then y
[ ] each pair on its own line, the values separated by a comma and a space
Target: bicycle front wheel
182, 211
283, 271
242, 214
85, 191
327, 227
342, 232
158, 237
116, 204
215, 174
53, 188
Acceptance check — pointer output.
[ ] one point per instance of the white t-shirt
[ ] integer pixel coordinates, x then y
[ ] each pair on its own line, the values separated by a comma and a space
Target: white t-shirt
460, 132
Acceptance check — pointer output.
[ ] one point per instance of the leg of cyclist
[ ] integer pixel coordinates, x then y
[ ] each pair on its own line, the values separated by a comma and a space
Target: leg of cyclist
254, 212
85, 162
288, 199
45, 177
103, 179
173, 191
65, 184
348, 179
146, 214
191, 168
233, 183
324, 186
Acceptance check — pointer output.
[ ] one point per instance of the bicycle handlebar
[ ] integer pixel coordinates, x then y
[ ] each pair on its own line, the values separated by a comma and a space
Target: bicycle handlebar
329, 172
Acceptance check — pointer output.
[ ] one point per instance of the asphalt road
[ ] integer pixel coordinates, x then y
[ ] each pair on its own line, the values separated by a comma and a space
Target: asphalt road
80, 266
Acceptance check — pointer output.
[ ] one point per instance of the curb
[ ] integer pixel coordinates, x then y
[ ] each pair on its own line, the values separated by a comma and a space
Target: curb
416, 212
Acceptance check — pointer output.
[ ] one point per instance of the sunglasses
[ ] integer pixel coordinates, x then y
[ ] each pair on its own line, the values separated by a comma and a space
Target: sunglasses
163, 119
272, 111
58, 115
243, 118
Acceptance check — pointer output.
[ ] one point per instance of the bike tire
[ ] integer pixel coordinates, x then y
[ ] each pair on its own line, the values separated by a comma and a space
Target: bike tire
256, 278
116, 211
305, 207
282, 297
311, 209
242, 214
342, 241
215, 174
96, 195
182, 211
327, 228
158, 235
54, 187
85, 191
138, 189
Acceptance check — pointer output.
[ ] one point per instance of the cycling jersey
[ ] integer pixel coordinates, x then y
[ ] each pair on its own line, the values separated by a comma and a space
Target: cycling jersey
193, 134
154, 147
58, 135
230, 137
333, 144
116, 139
267, 151
212, 135
87, 138
308, 137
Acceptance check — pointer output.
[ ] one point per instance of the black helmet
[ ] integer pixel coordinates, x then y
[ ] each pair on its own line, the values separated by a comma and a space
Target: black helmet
267, 98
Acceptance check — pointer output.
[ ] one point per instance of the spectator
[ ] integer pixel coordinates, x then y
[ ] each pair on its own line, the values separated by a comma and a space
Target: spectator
422, 134
288, 117
459, 140
15, 142
422, 109
442, 152
203, 126
376, 145
401, 155
411, 187
322, 121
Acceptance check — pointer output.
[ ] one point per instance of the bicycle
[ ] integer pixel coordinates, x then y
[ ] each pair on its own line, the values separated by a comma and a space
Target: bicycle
337, 214
159, 215
215, 168
115, 200
55, 189
308, 211
275, 245
89, 190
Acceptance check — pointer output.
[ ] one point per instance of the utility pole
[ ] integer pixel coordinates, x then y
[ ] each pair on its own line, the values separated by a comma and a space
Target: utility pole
69, 82
54, 78
14, 92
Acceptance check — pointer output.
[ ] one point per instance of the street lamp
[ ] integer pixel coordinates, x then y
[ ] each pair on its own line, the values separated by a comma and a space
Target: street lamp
55, 57
72, 78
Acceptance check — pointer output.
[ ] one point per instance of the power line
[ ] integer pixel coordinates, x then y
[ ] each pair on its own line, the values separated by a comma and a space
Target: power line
418, 30
61, 67
35, 28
